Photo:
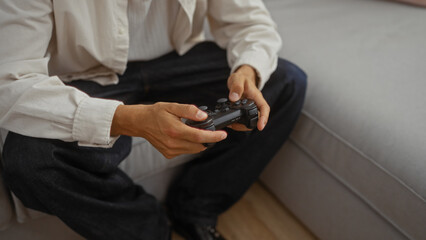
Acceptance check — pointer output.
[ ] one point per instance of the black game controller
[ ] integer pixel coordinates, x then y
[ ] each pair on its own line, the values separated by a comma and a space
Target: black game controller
226, 113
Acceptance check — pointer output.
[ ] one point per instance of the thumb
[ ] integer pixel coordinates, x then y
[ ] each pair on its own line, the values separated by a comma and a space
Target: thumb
236, 88
187, 111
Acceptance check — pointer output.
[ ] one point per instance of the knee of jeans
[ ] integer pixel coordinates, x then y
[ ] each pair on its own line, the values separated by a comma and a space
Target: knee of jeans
294, 74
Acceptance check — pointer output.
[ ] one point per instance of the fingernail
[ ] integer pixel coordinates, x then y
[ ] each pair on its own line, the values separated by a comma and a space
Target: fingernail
223, 135
234, 96
201, 114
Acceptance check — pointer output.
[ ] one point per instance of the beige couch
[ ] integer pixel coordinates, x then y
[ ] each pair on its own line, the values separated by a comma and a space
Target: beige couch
355, 167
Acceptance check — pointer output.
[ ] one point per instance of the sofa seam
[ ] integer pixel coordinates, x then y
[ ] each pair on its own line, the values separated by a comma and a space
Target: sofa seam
361, 153
348, 186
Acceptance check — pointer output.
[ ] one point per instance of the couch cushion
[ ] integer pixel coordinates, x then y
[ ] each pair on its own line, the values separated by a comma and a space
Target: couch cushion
144, 160
326, 206
366, 62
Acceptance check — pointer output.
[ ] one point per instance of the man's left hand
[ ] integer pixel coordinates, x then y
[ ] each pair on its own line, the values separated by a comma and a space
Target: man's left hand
242, 84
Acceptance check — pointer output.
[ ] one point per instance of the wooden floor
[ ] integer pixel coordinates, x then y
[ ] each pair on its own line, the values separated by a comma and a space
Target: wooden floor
260, 216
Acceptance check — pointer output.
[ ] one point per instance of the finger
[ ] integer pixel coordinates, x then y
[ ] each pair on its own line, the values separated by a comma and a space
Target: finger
188, 149
175, 147
202, 136
236, 87
187, 111
262, 105
239, 127
192, 148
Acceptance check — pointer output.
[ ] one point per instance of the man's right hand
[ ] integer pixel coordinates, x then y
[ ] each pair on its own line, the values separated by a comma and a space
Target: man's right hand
161, 125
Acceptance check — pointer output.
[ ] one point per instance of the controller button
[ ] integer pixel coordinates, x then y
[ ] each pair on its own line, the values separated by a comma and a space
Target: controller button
203, 108
237, 102
216, 110
222, 100
244, 101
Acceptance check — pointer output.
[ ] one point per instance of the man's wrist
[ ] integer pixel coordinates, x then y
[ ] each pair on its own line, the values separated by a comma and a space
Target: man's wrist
129, 120
117, 121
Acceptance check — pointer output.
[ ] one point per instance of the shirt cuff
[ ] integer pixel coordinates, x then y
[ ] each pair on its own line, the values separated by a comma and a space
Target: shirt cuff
92, 122
260, 61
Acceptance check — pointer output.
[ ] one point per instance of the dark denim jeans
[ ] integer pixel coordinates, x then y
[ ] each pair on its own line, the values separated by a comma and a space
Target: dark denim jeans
86, 190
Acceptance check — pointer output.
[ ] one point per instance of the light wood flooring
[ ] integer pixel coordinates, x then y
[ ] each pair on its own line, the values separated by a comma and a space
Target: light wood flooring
260, 216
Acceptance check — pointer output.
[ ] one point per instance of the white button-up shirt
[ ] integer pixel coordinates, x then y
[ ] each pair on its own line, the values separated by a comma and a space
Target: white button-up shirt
150, 26
44, 43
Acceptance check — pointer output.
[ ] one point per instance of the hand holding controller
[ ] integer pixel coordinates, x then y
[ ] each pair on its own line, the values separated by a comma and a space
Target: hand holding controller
226, 113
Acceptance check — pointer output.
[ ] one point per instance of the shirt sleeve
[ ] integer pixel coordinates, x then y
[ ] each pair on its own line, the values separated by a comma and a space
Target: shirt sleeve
32, 103
247, 31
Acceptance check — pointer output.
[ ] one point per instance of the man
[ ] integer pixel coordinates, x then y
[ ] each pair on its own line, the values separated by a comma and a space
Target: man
73, 75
